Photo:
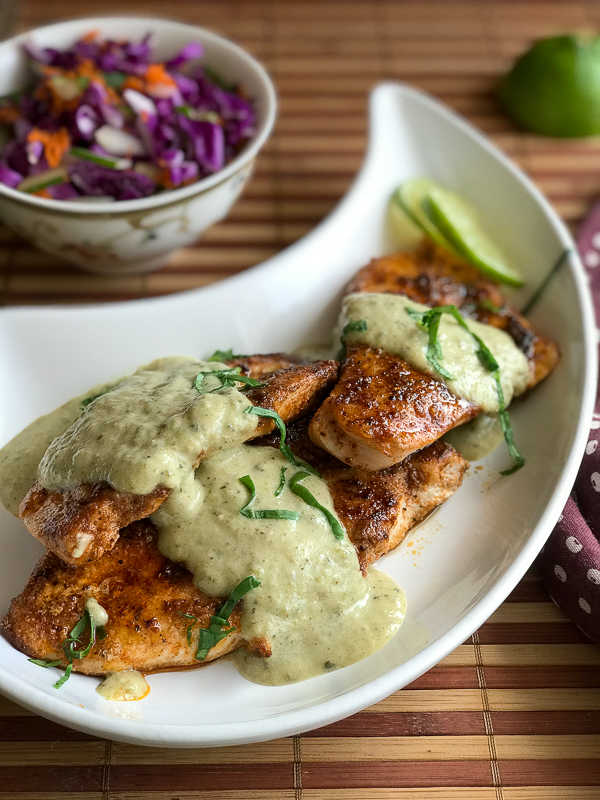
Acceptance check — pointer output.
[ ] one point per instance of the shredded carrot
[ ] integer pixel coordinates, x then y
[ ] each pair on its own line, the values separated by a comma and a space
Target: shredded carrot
134, 82
90, 35
43, 193
156, 73
9, 114
55, 144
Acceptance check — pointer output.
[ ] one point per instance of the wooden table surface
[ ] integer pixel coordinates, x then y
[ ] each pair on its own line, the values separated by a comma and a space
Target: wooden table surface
512, 713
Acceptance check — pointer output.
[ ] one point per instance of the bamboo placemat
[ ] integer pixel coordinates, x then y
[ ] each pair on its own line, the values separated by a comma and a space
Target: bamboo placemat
514, 712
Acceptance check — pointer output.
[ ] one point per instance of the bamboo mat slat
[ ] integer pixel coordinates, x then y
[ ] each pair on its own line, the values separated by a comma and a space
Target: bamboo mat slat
513, 713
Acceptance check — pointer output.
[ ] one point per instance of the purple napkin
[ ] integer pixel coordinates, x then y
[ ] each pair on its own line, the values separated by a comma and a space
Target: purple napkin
570, 560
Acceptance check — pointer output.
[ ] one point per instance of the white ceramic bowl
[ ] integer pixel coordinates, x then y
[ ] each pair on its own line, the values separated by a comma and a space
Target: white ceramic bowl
468, 556
136, 235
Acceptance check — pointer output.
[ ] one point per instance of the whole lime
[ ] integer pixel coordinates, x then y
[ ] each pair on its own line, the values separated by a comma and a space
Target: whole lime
554, 88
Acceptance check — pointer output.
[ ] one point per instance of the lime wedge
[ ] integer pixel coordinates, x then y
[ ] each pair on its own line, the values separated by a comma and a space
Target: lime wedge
458, 220
410, 197
407, 234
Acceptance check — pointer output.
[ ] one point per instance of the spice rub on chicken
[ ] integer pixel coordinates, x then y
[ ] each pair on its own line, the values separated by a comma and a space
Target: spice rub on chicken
398, 392
378, 509
81, 522
381, 410
435, 277
145, 596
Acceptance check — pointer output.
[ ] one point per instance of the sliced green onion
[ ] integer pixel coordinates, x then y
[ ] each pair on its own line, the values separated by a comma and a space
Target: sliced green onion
430, 320
104, 161
35, 183
114, 79
304, 494
209, 637
250, 513
283, 447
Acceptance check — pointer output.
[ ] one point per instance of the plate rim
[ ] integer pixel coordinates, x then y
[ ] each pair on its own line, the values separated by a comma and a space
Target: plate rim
355, 699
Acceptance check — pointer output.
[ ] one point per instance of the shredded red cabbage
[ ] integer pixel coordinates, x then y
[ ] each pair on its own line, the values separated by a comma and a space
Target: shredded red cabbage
104, 120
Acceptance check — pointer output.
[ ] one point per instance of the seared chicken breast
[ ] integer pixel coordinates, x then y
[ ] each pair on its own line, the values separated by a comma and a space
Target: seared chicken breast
144, 595
381, 410
434, 277
378, 509
80, 524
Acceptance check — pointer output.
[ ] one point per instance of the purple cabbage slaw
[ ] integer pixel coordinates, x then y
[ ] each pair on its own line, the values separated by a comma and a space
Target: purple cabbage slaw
103, 120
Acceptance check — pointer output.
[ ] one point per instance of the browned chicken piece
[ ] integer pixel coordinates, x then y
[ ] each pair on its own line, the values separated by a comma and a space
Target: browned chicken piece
293, 392
80, 524
144, 595
259, 366
434, 277
378, 509
381, 410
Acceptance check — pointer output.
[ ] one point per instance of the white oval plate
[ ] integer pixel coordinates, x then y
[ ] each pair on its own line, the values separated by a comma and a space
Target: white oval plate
463, 561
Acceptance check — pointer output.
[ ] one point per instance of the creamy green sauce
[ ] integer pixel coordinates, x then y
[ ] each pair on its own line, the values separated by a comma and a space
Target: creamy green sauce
127, 685
149, 430
313, 604
478, 438
390, 328
19, 458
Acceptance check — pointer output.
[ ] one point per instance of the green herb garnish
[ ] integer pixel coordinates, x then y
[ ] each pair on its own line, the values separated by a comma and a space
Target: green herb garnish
283, 447
430, 320
250, 513
96, 158
212, 635
358, 325
224, 355
228, 378
216, 77
281, 486
44, 184
85, 403
304, 494
114, 79
487, 305
70, 645
189, 628
542, 287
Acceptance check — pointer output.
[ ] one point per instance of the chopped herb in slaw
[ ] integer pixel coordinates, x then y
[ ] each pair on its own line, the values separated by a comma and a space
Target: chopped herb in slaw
104, 120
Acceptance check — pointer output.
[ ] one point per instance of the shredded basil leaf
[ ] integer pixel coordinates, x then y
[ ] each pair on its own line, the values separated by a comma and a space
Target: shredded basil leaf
487, 305
85, 403
228, 378
283, 447
430, 320
250, 513
70, 644
225, 355
40, 663
189, 628
304, 494
281, 486
358, 325
209, 637
542, 287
